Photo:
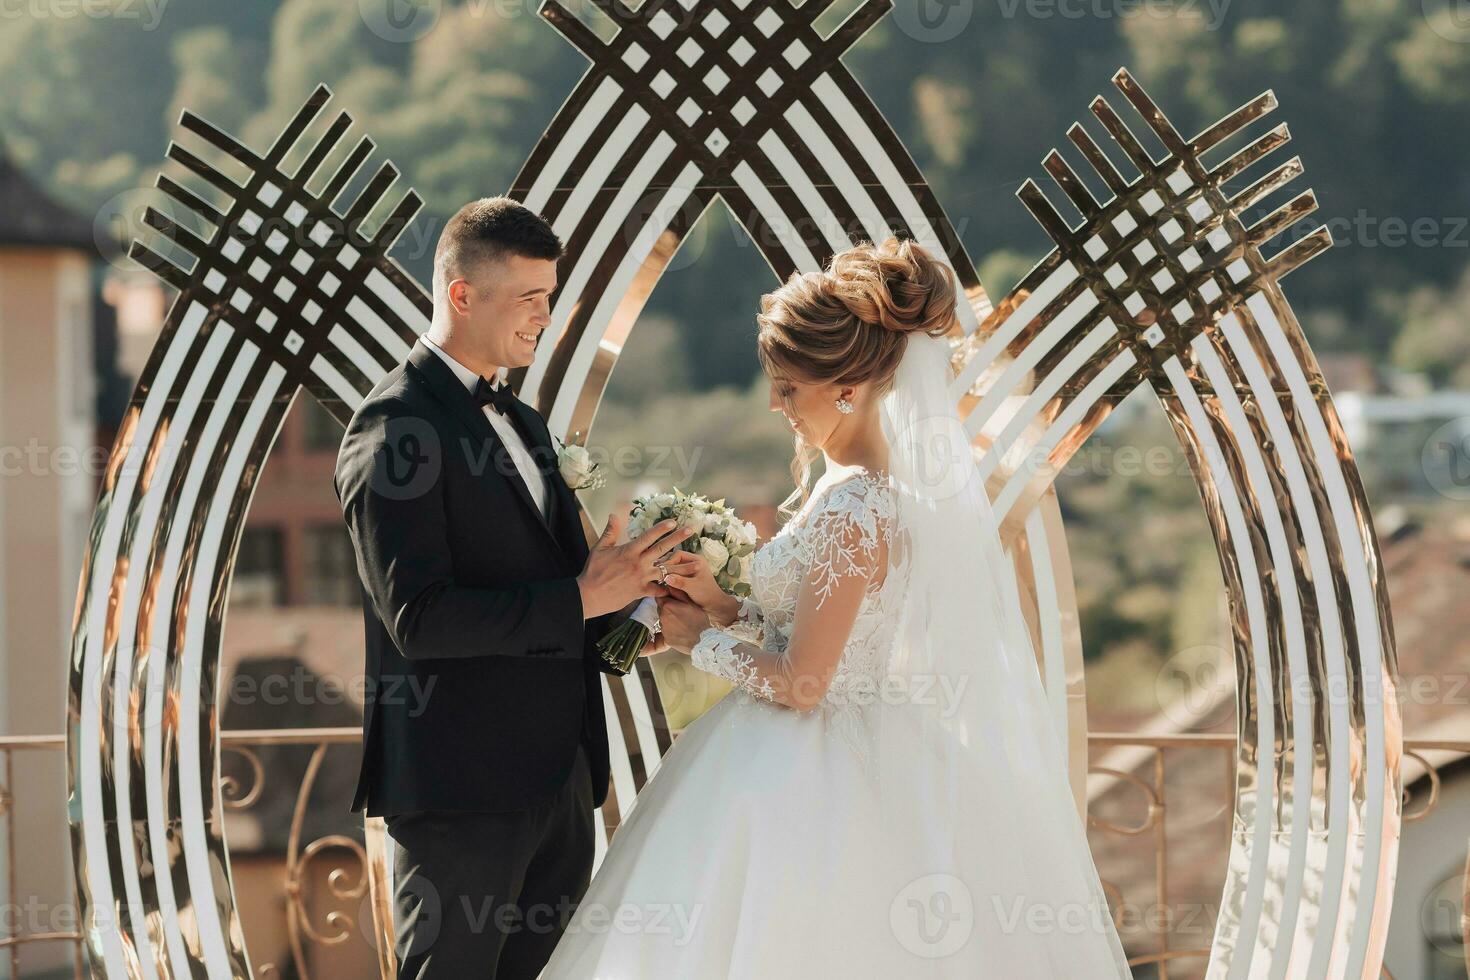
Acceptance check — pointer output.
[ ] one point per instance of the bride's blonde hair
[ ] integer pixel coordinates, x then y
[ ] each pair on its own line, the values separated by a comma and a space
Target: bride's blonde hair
850, 323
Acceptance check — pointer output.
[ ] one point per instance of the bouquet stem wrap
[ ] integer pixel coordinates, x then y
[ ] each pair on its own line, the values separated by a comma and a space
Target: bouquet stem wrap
621, 646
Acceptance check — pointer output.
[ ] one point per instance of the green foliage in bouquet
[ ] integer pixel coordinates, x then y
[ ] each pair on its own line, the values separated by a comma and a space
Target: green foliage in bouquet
723, 540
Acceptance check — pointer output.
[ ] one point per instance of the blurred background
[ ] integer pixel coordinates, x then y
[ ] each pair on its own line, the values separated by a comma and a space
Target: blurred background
1377, 94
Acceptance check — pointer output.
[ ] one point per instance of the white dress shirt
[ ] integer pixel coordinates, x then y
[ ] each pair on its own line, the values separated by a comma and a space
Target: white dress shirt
507, 431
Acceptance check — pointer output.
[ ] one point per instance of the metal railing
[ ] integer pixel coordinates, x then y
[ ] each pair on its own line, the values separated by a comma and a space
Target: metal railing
1156, 809
349, 879
11, 944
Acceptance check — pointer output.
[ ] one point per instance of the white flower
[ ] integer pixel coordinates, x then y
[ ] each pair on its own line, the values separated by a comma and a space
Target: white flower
714, 554
578, 468
721, 538
734, 535
742, 533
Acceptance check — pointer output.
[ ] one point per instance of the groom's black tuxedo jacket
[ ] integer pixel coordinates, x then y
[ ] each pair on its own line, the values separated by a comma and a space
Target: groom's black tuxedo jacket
481, 673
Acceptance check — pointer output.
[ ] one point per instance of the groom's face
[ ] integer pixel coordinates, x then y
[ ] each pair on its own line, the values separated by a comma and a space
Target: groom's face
504, 306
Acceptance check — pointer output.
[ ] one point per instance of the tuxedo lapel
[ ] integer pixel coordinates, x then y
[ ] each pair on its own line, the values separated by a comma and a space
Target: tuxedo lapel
563, 511
448, 389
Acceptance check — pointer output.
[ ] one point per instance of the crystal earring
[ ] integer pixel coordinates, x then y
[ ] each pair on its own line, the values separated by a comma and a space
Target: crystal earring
844, 406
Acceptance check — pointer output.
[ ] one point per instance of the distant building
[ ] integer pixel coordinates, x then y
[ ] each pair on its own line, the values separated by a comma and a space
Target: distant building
1349, 371
1410, 446
295, 550
49, 461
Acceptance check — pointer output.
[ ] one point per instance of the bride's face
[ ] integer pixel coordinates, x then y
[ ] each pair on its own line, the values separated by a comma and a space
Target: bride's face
810, 409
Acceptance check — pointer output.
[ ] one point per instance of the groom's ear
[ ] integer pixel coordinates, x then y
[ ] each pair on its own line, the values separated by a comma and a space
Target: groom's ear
458, 291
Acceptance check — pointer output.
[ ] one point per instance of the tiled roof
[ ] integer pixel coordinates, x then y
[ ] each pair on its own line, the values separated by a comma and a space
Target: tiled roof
28, 217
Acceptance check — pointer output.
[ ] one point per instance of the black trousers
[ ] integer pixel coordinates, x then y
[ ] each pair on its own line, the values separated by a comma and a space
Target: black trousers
488, 895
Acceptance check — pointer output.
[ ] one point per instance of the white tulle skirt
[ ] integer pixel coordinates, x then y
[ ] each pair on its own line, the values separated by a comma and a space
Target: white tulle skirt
755, 851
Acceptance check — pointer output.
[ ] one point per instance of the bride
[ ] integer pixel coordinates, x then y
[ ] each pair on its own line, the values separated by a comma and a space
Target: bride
881, 794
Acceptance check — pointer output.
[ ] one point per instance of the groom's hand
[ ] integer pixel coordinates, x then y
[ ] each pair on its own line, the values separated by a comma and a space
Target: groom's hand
616, 574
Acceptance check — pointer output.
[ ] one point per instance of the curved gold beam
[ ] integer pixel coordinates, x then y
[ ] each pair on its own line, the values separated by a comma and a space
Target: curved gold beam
284, 291
1164, 283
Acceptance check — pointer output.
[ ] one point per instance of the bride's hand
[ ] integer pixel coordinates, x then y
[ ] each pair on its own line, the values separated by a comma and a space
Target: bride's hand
681, 623
690, 574
656, 644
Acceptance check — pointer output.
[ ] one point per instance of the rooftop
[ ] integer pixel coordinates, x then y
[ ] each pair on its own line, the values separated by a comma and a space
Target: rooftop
30, 218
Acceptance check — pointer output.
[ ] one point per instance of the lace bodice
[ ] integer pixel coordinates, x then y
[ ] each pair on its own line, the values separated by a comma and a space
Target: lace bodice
837, 535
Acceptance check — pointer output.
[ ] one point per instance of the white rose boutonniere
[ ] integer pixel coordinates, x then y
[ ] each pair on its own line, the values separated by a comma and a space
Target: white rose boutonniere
577, 467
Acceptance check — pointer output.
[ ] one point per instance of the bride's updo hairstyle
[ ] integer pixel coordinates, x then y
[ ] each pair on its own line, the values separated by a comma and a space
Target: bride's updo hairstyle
850, 323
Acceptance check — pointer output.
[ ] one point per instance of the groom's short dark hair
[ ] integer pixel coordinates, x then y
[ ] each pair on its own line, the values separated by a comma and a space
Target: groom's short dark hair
491, 229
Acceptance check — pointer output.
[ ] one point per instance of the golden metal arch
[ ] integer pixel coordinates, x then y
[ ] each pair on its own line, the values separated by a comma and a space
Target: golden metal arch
285, 291
799, 154
1164, 284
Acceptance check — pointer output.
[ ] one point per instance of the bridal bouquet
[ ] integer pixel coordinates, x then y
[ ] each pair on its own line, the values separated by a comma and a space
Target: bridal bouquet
724, 541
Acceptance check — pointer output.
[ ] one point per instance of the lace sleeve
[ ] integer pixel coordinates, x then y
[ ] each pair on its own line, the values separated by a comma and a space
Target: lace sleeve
847, 535
750, 612
845, 541
723, 653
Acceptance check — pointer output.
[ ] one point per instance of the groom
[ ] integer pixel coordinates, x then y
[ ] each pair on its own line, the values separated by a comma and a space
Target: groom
479, 589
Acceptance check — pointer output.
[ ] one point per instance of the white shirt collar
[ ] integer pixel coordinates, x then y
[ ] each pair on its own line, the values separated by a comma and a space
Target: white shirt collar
466, 376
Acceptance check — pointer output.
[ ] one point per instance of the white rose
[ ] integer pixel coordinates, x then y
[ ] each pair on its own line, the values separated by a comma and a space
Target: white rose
577, 467
741, 534
714, 554
663, 501
688, 517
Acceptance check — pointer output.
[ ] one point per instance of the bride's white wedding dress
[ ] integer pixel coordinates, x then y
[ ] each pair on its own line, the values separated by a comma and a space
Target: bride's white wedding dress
777, 843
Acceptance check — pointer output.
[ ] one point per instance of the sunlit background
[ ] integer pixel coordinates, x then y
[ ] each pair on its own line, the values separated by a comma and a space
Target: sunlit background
1377, 94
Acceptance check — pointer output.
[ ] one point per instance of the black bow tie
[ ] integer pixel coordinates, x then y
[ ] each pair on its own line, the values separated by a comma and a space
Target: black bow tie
499, 398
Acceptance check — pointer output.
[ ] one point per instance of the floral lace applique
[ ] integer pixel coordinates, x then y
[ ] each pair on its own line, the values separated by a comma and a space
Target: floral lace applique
843, 535
840, 534
716, 652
